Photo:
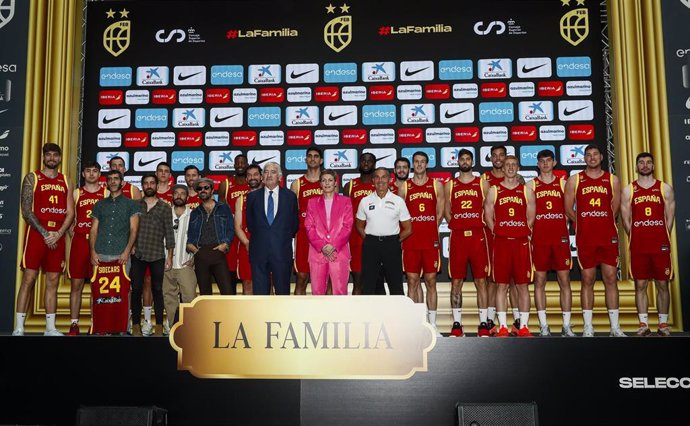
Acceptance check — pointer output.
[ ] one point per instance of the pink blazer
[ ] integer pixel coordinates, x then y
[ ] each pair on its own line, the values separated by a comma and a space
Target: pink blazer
338, 234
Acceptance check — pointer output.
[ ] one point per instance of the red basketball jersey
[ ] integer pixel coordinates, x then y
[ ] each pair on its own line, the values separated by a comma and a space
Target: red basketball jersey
551, 223
421, 203
491, 178
127, 190
358, 191
109, 298
648, 231
593, 202
510, 212
466, 204
84, 204
166, 196
233, 191
193, 201
305, 191
243, 208
50, 199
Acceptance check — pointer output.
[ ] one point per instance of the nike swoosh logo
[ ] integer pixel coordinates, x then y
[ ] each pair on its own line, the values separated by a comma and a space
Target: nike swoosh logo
568, 113
5, 134
3, 111
298, 75
449, 115
409, 73
529, 70
185, 77
262, 161
218, 119
107, 120
336, 117
146, 163
383, 158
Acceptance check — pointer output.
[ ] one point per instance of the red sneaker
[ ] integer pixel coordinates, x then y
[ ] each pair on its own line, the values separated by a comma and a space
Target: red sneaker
492, 327
456, 331
502, 332
524, 332
73, 329
483, 330
515, 328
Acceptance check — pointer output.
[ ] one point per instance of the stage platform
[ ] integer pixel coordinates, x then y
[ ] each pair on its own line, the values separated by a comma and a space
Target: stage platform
574, 381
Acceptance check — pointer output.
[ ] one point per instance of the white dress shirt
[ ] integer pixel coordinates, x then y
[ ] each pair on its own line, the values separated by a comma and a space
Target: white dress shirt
275, 200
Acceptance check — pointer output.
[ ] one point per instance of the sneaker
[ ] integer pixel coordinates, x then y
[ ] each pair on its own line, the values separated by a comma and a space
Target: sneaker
502, 332
18, 332
515, 327
643, 330
491, 327
588, 331
617, 332
166, 329
664, 330
73, 329
53, 333
483, 330
136, 330
524, 332
544, 331
457, 331
567, 331
147, 328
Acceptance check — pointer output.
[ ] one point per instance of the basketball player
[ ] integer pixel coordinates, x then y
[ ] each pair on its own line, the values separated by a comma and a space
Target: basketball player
128, 190
230, 190
402, 173
191, 174
244, 270
163, 186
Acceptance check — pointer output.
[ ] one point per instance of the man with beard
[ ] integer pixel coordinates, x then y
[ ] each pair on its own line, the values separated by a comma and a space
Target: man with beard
48, 207
164, 179
244, 270
79, 254
191, 174
401, 170
128, 190
306, 187
648, 206
180, 280
153, 250
230, 190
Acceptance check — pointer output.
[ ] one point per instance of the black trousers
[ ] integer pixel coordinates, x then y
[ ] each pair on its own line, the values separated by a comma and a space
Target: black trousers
210, 264
157, 268
385, 253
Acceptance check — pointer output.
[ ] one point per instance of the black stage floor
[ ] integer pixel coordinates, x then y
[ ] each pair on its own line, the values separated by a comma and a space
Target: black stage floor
574, 381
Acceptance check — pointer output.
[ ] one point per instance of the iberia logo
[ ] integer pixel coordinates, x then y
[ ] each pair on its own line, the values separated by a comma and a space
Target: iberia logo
116, 36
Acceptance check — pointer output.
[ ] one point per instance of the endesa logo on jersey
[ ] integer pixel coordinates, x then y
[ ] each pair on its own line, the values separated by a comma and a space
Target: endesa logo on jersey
326, 94
263, 117
136, 139
523, 133
496, 112
493, 90
181, 159
114, 118
573, 155
575, 110
411, 135
341, 115
271, 138
226, 117
162, 139
217, 138
381, 93
243, 138
137, 97
431, 152
465, 91
382, 136
302, 116
265, 74
437, 91
217, 96
115, 76
354, 136
461, 69
534, 67
163, 96
227, 75
271, 95
581, 132
153, 76
339, 159
450, 156
378, 71
573, 66
550, 88
189, 139
456, 113
535, 111
110, 97
190, 75
302, 73
466, 134
500, 68
417, 114
327, 137
222, 160
378, 115
345, 72
189, 117
299, 137
416, 70
552, 133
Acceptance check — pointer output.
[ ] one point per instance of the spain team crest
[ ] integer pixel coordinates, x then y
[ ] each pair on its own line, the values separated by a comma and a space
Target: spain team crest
575, 26
6, 12
116, 36
337, 33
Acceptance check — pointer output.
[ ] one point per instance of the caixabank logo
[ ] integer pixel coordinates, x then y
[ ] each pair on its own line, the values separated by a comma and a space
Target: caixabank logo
116, 37
339, 159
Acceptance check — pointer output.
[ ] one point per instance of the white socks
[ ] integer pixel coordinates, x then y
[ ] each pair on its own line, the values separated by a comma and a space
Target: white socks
566, 319
20, 317
502, 319
432, 318
50, 322
587, 317
663, 318
147, 313
613, 318
644, 318
516, 314
542, 318
483, 315
524, 319
491, 312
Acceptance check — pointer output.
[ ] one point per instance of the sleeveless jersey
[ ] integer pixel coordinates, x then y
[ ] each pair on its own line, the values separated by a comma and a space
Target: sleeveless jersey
648, 232
421, 202
305, 191
551, 223
493, 180
466, 204
84, 204
109, 298
50, 199
358, 191
127, 190
193, 201
510, 212
593, 201
234, 191
165, 196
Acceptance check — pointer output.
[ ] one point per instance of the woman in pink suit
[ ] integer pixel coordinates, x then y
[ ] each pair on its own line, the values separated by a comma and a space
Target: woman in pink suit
329, 225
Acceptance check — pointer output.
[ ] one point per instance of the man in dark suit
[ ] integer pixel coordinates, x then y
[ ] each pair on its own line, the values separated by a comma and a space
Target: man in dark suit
272, 220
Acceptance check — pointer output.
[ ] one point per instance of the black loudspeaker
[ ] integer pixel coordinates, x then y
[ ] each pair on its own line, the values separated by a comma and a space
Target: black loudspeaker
122, 416
497, 414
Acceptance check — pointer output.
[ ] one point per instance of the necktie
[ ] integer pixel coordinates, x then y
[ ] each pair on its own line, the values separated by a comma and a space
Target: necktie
270, 210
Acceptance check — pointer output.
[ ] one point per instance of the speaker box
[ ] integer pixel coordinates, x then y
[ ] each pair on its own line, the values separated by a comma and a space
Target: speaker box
122, 416
497, 414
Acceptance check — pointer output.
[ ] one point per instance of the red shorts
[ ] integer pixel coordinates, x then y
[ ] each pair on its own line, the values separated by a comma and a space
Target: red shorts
231, 255
80, 257
651, 266
418, 261
590, 256
468, 246
552, 257
301, 251
37, 255
512, 261
356, 252
244, 269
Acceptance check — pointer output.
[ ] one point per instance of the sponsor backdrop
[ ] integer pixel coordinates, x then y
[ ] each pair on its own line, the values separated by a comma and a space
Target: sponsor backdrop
677, 57
166, 81
14, 24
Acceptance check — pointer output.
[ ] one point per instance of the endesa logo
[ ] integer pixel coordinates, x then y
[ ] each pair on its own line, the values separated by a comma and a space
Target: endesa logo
263, 117
437, 91
189, 139
181, 159
110, 97
299, 137
227, 75
295, 159
354, 136
115, 76
378, 114
523, 133
136, 139
345, 72
466, 134
381, 93
496, 112
499, 68
326, 94
378, 71
550, 88
243, 138
163, 96
493, 90
573, 66
461, 69
411, 135
271, 95
431, 152
581, 132
217, 96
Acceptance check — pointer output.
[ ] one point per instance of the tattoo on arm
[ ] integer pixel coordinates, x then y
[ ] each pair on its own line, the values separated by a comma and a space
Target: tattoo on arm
27, 200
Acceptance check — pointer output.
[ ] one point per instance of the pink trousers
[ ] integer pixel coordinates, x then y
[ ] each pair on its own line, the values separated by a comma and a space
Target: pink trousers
339, 271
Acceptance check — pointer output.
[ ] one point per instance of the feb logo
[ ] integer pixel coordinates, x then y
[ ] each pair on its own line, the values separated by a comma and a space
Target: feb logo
575, 26
337, 34
6, 12
116, 36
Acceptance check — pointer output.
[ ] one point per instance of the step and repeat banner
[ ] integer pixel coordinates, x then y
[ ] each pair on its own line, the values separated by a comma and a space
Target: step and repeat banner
200, 82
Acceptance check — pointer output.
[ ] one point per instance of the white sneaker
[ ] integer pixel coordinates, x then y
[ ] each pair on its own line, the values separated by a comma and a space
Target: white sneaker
544, 331
588, 331
567, 331
166, 329
617, 332
53, 333
18, 332
147, 328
